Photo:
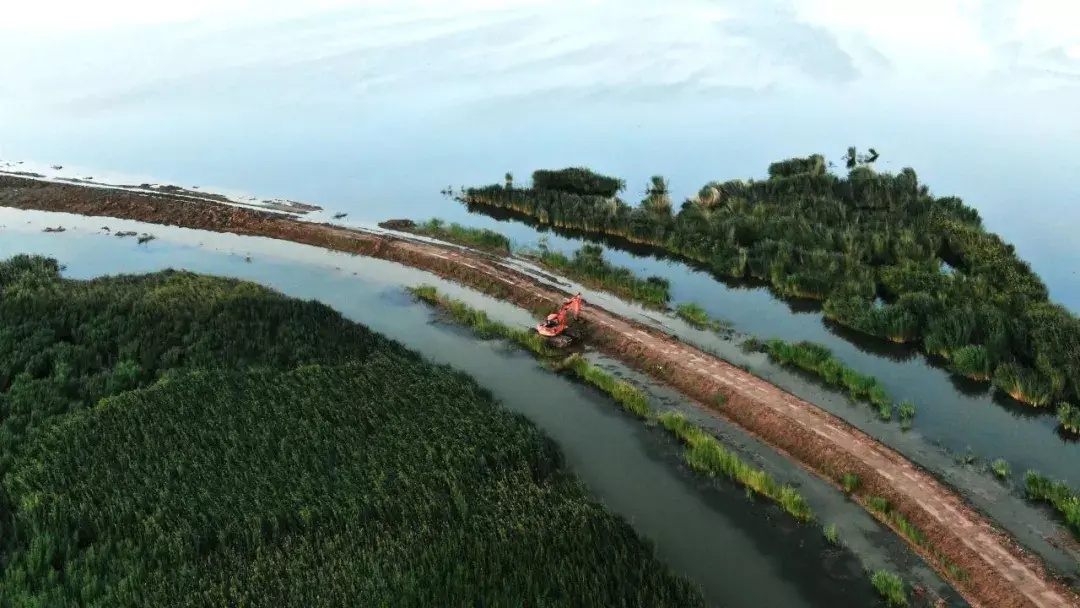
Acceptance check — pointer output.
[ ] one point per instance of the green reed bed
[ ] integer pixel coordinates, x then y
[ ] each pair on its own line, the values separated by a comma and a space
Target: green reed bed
706, 455
696, 316
588, 267
479, 238
1040, 488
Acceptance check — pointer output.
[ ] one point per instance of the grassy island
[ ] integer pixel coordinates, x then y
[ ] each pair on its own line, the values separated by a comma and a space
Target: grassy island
176, 439
884, 256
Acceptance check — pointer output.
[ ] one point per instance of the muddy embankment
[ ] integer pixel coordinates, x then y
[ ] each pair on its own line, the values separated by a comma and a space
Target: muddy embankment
987, 566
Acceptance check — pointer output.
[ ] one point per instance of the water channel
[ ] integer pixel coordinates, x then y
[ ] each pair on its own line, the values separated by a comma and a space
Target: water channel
742, 552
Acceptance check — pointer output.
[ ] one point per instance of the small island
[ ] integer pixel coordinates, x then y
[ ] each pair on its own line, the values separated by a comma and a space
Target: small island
882, 254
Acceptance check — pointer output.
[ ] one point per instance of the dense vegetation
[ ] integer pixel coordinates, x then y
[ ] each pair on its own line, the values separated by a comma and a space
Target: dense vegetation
588, 266
696, 316
1057, 494
884, 255
176, 439
480, 238
820, 361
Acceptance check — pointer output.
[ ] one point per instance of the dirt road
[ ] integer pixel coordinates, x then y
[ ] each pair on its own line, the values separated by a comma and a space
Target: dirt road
989, 568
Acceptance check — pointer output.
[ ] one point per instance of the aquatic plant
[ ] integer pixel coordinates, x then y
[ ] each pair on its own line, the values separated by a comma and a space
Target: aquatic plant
1069, 417
1001, 468
588, 266
1038, 487
890, 586
479, 321
175, 438
831, 534
706, 455
479, 238
819, 360
629, 397
953, 288
907, 412
696, 316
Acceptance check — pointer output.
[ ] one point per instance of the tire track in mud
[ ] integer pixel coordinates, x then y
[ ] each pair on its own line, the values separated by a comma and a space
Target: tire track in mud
998, 571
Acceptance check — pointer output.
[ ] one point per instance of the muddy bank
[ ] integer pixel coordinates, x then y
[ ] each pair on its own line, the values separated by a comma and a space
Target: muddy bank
990, 568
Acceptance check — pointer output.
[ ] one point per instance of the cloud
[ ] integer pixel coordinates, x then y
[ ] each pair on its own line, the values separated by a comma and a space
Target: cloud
78, 57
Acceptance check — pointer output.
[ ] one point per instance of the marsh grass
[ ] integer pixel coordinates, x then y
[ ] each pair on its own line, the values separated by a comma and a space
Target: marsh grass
819, 360
706, 455
1038, 487
629, 397
588, 266
696, 316
1069, 417
479, 238
831, 534
1001, 468
479, 321
912, 533
890, 586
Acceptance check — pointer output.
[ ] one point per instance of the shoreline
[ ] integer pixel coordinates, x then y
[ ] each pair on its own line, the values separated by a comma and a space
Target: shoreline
999, 572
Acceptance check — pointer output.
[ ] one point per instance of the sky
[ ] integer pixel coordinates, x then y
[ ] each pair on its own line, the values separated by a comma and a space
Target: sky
75, 55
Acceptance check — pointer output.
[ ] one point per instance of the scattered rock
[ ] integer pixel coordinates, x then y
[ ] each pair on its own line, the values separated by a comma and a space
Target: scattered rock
105, 228
338, 216
122, 234
247, 259
57, 167
146, 238
57, 229
398, 225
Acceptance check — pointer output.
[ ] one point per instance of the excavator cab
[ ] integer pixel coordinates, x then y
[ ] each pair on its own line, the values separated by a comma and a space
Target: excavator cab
555, 325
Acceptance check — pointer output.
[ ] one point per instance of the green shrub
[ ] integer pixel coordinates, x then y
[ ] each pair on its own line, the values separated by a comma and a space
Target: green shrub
1001, 468
696, 316
1057, 494
588, 266
850, 482
1069, 417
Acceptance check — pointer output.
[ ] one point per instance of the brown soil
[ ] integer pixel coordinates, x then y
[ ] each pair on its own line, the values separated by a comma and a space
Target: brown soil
997, 571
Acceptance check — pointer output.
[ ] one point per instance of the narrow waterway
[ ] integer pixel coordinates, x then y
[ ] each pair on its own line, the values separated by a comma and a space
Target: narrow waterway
742, 552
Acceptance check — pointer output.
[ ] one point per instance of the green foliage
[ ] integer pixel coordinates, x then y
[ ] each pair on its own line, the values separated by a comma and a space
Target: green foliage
955, 289
890, 586
1064, 500
588, 266
577, 180
696, 316
480, 238
850, 483
1069, 417
629, 397
831, 534
819, 360
175, 439
479, 321
705, 455
907, 412
878, 504
1001, 468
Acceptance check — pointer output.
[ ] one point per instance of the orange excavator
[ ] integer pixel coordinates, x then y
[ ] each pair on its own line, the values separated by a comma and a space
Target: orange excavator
555, 325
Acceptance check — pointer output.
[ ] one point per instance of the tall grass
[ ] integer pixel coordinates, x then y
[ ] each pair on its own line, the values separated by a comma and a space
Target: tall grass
706, 455
631, 399
890, 586
480, 238
1058, 494
1069, 417
479, 321
819, 360
588, 266
696, 316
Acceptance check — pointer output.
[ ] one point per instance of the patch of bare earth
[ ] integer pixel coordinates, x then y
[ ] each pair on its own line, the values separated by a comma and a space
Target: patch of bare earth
997, 571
